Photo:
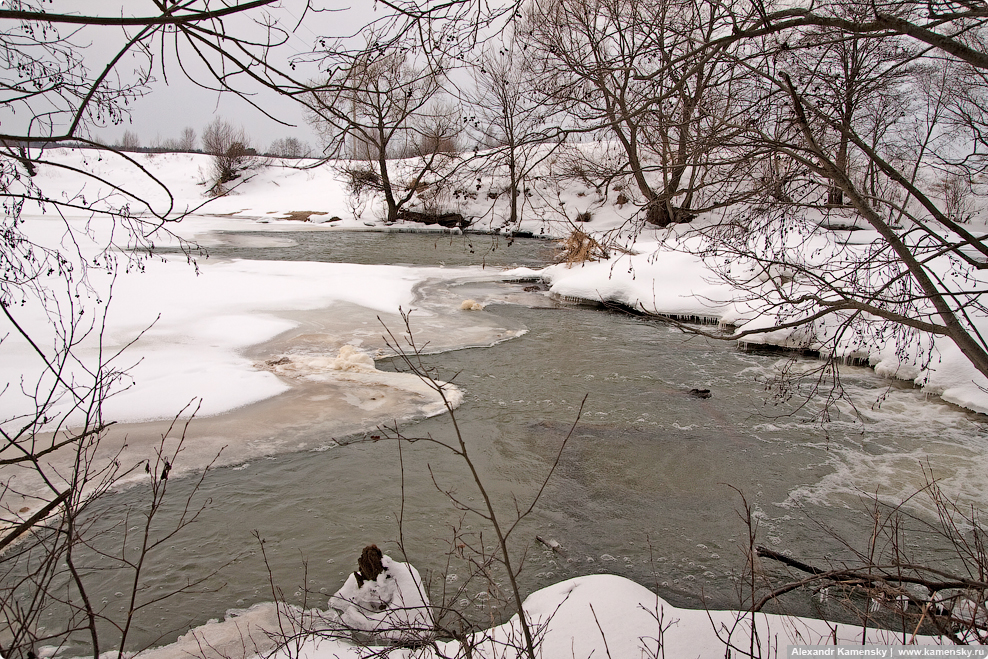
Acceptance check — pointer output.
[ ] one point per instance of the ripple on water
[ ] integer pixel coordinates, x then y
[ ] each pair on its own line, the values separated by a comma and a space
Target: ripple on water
643, 488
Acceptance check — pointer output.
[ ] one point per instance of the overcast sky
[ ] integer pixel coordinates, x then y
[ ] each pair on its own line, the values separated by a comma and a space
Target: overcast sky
174, 102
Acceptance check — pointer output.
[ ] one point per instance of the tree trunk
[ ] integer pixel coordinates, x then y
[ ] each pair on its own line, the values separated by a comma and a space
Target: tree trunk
513, 218
389, 195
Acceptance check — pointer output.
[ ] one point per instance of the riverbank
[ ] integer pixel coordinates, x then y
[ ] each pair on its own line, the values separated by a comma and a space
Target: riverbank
225, 332
659, 271
599, 615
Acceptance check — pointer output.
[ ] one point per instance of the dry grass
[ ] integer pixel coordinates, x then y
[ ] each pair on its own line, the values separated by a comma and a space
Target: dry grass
302, 216
579, 247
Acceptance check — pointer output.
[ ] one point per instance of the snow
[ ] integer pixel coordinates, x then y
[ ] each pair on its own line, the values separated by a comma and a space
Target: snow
192, 342
393, 608
654, 281
190, 339
599, 615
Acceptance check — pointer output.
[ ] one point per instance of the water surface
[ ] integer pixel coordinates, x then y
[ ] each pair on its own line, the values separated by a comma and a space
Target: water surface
648, 486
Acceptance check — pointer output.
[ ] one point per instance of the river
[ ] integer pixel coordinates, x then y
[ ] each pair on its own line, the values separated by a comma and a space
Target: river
649, 485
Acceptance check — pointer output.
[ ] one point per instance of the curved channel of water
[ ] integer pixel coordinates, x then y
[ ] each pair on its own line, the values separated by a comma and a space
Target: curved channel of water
647, 486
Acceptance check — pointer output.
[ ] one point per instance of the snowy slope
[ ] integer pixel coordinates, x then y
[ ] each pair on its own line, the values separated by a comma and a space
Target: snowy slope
655, 277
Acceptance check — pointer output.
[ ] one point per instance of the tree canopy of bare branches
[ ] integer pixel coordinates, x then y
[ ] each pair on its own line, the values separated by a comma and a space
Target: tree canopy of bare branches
56, 92
376, 104
865, 137
629, 71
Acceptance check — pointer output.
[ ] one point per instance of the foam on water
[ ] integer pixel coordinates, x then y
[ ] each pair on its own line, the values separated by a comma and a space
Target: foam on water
907, 440
644, 464
888, 439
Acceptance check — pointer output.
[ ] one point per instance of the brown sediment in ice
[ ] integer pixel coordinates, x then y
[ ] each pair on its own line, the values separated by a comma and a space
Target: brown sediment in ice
331, 395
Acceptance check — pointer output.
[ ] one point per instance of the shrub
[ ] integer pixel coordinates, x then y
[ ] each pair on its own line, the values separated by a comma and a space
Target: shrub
580, 246
231, 151
361, 179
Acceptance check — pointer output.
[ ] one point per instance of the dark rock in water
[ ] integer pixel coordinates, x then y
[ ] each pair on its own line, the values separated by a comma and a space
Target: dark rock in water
699, 393
448, 220
279, 362
532, 289
370, 564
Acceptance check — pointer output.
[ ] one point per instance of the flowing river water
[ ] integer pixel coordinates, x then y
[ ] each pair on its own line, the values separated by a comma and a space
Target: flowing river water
647, 486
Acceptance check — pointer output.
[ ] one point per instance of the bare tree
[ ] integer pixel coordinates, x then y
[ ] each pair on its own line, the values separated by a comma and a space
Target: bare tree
130, 141
437, 131
920, 276
508, 121
856, 82
367, 109
231, 150
187, 141
289, 147
628, 70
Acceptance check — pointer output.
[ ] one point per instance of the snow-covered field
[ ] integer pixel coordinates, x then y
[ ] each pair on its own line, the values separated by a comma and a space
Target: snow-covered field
186, 330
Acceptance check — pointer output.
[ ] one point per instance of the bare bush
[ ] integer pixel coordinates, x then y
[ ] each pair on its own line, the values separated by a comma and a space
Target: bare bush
958, 197
485, 561
231, 150
55, 561
888, 579
361, 179
580, 247
130, 141
289, 147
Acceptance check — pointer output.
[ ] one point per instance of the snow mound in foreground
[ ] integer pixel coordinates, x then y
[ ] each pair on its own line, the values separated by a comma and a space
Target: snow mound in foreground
592, 616
394, 607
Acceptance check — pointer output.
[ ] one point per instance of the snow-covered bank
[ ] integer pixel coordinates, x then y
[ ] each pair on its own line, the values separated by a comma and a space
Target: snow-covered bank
255, 334
657, 277
185, 331
661, 280
592, 616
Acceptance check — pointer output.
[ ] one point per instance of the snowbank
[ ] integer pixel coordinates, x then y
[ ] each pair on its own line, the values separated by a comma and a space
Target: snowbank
592, 616
660, 280
188, 344
653, 280
393, 608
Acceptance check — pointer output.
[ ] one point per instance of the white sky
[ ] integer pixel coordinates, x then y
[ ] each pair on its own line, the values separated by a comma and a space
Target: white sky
175, 102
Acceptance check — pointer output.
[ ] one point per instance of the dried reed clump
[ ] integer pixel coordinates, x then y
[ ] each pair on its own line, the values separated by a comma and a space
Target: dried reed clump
361, 178
579, 247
